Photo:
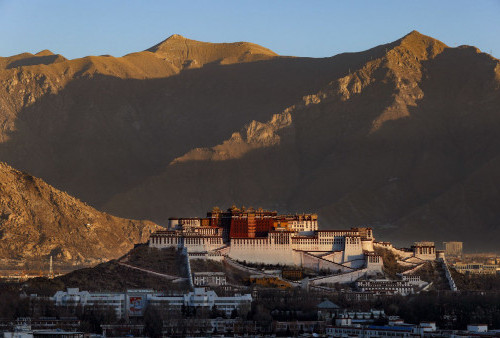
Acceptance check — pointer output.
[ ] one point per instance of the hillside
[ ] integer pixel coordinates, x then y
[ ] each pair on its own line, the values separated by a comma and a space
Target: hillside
37, 220
113, 276
401, 137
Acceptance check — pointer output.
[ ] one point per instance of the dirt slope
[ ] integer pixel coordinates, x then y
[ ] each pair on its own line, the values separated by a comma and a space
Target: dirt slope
37, 220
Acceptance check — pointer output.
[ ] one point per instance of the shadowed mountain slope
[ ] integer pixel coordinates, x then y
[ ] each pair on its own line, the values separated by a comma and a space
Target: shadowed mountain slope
400, 137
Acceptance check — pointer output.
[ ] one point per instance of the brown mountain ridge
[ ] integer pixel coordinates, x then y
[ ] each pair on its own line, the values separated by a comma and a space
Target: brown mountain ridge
401, 137
38, 221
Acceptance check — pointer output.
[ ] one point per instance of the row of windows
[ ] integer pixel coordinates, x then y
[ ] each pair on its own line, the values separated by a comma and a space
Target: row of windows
202, 240
165, 240
426, 250
353, 240
187, 240
368, 333
240, 241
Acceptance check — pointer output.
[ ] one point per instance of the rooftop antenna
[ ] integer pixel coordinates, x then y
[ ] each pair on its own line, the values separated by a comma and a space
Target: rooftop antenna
51, 270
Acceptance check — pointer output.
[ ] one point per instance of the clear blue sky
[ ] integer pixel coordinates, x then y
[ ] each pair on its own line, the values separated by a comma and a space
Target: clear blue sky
301, 28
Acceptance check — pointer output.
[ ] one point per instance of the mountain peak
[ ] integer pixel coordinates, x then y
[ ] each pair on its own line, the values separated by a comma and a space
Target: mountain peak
168, 42
176, 37
414, 33
182, 51
44, 52
421, 46
415, 38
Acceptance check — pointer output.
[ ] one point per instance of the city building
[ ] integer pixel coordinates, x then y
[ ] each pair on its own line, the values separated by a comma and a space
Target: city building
453, 249
293, 274
73, 297
398, 328
209, 278
269, 281
132, 303
327, 310
424, 250
371, 331
202, 298
386, 286
23, 328
42, 323
414, 280
297, 327
476, 268
122, 330
477, 328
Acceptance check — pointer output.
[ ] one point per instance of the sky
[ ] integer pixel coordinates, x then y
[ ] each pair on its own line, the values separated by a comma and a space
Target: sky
311, 28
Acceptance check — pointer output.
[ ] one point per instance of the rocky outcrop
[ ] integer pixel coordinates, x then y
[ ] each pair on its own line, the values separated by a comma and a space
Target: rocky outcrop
37, 221
255, 135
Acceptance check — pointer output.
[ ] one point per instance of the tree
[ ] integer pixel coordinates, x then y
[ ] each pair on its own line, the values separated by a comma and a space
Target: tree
214, 313
153, 322
94, 316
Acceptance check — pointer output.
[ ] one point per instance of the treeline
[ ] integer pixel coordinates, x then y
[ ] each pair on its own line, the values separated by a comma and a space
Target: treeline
476, 282
450, 310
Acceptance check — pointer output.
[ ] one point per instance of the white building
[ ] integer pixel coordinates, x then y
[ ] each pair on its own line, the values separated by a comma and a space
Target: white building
386, 286
74, 297
453, 249
476, 268
477, 328
209, 278
414, 280
203, 239
302, 222
205, 299
134, 302
174, 223
424, 250
343, 247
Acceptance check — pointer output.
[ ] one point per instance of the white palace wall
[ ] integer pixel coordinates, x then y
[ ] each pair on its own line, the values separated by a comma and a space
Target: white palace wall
282, 248
353, 249
328, 249
303, 225
162, 240
347, 277
367, 244
191, 243
335, 256
263, 250
318, 263
386, 245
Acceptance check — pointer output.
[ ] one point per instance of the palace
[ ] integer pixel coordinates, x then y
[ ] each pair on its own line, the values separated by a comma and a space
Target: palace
263, 236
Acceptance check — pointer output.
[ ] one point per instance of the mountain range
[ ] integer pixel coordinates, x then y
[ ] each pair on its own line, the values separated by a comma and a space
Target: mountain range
401, 137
